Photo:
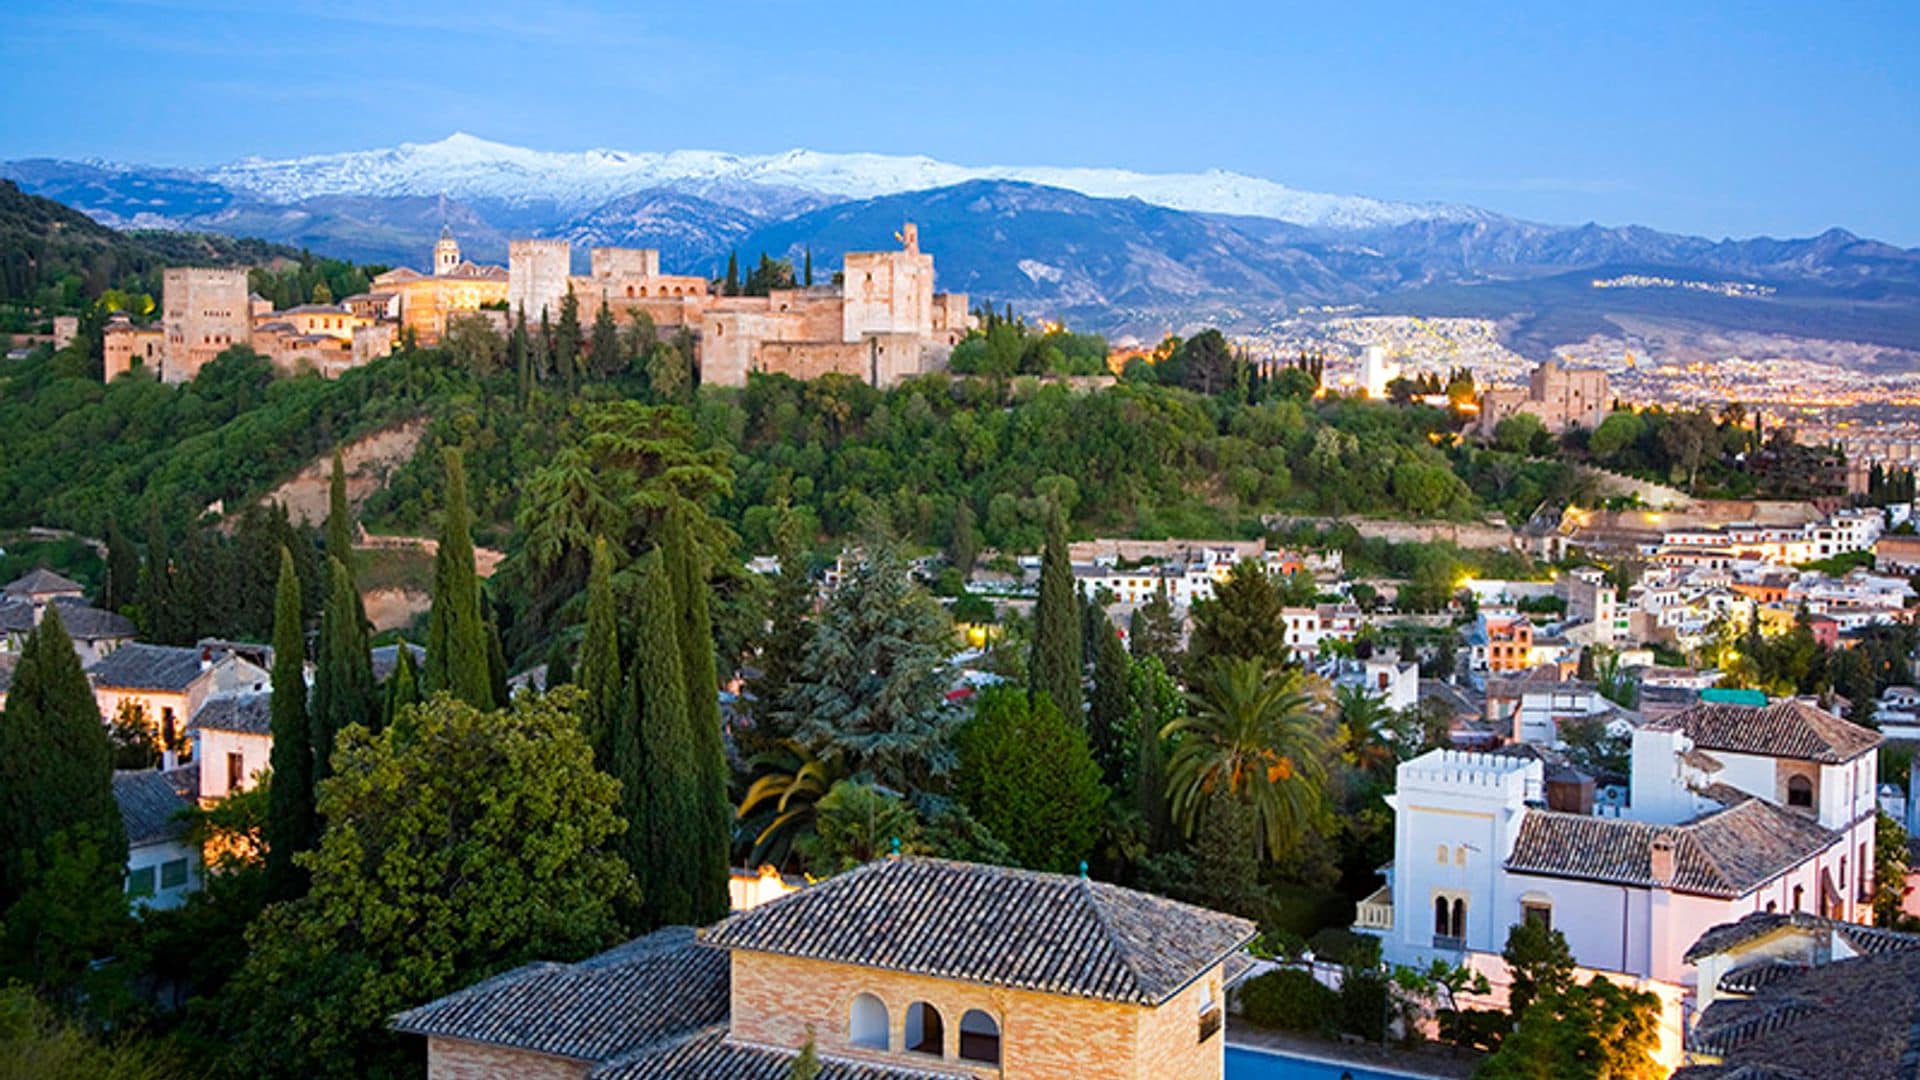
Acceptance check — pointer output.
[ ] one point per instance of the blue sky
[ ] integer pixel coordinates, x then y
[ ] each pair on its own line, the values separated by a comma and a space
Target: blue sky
1712, 118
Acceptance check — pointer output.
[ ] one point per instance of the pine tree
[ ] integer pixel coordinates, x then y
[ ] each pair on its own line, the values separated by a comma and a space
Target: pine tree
1055, 666
123, 569
456, 636
566, 341
600, 659
711, 832
291, 825
1110, 714
56, 761
343, 691
654, 760
402, 687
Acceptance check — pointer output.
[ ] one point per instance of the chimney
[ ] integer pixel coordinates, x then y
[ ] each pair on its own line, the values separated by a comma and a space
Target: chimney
206, 658
1660, 856
169, 759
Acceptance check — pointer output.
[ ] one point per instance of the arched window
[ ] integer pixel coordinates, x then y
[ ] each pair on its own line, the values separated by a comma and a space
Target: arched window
1459, 918
1799, 897
1799, 791
1442, 917
629, 292
925, 1033
867, 1023
979, 1038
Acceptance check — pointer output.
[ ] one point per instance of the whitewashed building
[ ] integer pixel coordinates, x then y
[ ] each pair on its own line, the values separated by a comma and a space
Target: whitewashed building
1733, 810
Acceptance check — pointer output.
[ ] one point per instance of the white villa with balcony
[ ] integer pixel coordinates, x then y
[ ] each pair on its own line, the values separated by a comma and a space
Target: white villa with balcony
1733, 810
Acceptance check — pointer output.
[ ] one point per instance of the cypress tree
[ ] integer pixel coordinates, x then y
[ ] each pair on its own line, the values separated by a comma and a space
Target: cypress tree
402, 687
291, 825
711, 830
1152, 630
497, 667
654, 760
343, 683
790, 619
807, 277
600, 659
339, 518
520, 354
603, 344
56, 761
1110, 712
456, 637
567, 339
123, 569
1055, 667
733, 274
158, 608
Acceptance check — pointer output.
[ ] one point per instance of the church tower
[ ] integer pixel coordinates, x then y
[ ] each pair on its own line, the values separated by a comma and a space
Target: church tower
446, 253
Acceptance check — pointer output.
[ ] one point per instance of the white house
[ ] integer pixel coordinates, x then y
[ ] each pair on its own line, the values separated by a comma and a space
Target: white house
162, 868
1395, 682
232, 743
1733, 810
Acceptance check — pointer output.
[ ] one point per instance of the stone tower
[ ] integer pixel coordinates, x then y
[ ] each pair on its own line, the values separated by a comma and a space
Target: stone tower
446, 253
537, 272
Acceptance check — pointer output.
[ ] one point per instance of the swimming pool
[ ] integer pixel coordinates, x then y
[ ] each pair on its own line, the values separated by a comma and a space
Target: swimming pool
1245, 1063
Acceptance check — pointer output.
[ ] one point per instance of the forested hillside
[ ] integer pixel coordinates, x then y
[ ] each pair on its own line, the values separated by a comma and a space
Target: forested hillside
56, 260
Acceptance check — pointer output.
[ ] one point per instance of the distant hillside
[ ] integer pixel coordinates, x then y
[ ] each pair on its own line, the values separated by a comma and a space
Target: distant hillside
55, 257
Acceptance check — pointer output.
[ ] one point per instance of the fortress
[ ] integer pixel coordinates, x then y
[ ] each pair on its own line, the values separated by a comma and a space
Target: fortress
880, 322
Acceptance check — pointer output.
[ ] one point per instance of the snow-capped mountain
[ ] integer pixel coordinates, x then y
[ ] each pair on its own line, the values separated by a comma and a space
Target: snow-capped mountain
467, 168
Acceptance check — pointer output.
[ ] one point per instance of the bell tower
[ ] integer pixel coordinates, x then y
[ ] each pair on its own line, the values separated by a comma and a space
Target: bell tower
446, 253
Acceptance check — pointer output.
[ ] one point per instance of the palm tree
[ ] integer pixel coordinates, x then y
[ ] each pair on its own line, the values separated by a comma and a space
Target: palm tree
1252, 734
1370, 737
785, 796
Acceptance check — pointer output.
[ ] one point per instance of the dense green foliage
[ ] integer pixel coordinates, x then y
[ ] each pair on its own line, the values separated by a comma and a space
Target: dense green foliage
481, 842
1028, 775
456, 637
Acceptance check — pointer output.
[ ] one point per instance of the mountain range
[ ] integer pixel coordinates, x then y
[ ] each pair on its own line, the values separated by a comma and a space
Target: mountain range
1107, 249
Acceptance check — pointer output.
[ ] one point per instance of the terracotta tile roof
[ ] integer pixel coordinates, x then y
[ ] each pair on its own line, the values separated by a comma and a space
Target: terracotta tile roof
1857, 1018
1049, 933
1725, 853
1789, 729
147, 667
654, 989
709, 1055
1863, 939
150, 804
248, 714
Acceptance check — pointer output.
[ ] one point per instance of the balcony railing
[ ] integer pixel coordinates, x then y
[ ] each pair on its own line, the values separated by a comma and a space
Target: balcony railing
1376, 911
1449, 943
